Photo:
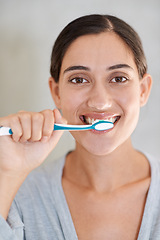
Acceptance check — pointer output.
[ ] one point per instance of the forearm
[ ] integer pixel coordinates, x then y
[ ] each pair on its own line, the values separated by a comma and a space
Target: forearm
9, 186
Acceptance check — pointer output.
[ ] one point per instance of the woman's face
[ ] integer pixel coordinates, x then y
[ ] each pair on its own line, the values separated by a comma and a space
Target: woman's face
99, 80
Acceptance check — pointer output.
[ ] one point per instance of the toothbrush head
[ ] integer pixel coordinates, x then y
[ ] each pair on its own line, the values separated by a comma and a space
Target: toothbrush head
102, 125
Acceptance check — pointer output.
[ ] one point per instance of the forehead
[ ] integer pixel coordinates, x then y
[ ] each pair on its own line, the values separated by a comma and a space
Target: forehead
97, 50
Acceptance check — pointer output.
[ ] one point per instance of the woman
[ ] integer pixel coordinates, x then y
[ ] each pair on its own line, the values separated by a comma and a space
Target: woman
103, 189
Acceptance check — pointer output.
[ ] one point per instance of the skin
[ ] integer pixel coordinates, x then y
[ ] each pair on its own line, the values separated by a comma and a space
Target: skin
104, 173
103, 164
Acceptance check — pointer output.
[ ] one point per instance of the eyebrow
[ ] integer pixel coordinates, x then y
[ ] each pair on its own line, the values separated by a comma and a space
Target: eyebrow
117, 66
79, 67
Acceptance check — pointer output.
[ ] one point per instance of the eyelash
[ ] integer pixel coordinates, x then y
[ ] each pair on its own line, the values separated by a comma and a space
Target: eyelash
118, 79
121, 79
75, 80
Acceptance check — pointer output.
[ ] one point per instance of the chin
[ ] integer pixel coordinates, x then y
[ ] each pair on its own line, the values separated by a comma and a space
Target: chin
98, 148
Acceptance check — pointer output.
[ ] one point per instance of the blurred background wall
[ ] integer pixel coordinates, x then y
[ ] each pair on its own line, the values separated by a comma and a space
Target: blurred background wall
28, 30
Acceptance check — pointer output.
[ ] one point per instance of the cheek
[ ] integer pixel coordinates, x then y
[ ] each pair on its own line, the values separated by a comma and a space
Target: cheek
130, 103
129, 99
70, 104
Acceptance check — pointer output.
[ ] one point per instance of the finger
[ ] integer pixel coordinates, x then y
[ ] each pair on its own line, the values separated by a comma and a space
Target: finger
25, 120
48, 124
36, 127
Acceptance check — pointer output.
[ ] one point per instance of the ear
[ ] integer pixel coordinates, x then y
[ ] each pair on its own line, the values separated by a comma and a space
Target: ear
54, 89
145, 88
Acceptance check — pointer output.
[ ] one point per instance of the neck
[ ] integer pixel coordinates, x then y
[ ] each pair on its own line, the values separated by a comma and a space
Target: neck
108, 172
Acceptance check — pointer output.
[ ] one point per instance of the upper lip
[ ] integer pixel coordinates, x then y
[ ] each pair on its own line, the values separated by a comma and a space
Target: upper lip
103, 115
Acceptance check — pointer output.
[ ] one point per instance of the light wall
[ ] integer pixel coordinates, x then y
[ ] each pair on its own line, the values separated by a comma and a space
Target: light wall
28, 30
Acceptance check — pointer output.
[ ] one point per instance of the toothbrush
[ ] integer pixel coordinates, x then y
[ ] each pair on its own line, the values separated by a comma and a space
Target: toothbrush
100, 125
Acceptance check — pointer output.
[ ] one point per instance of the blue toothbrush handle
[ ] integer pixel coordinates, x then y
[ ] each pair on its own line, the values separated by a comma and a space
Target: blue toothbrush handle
4, 131
68, 127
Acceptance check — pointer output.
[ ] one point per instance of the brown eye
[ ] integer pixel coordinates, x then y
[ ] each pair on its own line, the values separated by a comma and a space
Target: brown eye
119, 79
78, 80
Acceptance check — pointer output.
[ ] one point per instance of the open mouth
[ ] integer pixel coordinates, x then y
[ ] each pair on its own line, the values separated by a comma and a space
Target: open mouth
88, 120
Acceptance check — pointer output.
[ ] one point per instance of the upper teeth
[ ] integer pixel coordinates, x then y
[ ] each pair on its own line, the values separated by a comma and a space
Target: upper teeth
92, 120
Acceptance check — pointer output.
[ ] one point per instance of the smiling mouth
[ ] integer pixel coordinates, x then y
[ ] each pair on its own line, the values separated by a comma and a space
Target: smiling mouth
87, 120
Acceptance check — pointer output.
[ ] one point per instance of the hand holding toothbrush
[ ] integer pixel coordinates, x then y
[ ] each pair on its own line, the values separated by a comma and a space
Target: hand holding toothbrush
32, 140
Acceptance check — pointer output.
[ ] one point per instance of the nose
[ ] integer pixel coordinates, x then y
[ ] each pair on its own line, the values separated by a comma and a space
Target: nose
99, 98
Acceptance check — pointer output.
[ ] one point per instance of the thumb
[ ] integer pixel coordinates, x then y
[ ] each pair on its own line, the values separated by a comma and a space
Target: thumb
58, 117
56, 135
